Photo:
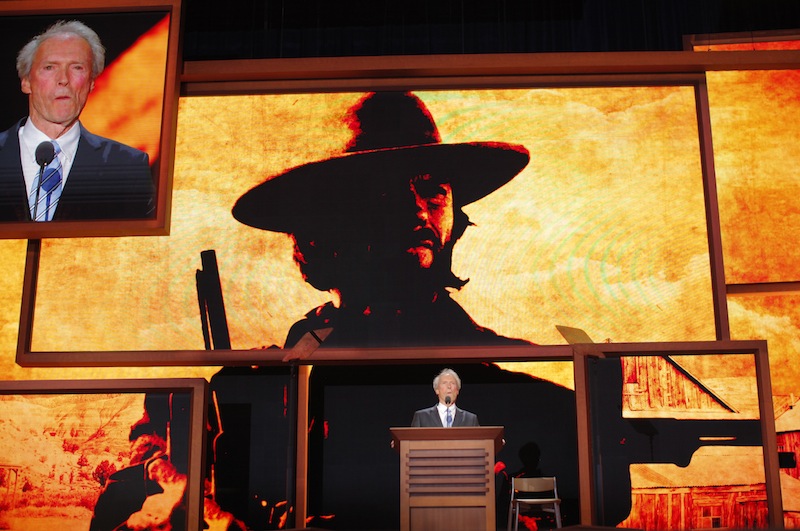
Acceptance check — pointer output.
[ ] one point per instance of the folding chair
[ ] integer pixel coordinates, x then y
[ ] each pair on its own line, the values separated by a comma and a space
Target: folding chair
533, 492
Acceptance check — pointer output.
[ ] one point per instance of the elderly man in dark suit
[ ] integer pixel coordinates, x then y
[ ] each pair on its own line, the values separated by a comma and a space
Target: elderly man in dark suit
82, 176
445, 414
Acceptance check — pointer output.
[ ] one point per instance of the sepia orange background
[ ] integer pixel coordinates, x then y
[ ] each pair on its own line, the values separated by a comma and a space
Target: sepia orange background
605, 230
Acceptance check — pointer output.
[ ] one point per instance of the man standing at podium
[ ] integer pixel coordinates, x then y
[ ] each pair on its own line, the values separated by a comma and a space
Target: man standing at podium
445, 414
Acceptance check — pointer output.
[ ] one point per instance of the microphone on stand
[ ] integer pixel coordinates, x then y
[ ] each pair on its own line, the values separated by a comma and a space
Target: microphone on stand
45, 153
447, 400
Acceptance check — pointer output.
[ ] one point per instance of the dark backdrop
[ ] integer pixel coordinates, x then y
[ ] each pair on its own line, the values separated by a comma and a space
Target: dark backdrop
252, 29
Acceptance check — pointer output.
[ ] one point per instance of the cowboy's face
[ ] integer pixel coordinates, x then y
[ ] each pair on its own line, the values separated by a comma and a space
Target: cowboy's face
433, 204
59, 83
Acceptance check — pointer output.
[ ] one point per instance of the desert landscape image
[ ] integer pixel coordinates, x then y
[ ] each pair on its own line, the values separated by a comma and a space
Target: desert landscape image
56, 454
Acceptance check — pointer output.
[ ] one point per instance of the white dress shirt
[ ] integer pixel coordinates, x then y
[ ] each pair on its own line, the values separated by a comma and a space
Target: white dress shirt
443, 412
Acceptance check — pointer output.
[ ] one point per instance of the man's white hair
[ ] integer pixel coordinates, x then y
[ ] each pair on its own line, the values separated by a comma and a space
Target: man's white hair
444, 372
59, 29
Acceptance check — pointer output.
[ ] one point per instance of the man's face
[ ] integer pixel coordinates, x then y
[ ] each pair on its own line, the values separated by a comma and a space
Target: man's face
447, 387
433, 204
59, 83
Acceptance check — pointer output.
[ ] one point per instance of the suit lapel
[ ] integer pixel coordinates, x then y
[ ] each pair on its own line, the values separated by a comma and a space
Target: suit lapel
85, 174
12, 182
435, 418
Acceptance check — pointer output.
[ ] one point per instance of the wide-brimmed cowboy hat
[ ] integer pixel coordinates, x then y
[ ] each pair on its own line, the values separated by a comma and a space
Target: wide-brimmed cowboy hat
394, 137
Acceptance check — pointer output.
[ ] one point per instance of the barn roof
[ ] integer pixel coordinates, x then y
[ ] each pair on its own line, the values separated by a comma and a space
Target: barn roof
789, 420
710, 466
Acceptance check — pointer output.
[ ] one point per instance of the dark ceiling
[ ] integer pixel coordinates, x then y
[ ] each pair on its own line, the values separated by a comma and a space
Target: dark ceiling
253, 29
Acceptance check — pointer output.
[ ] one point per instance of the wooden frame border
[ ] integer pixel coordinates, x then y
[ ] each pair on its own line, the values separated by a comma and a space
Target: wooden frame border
201, 78
197, 388
159, 225
754, 38
372, 73
742, 37
27, 358
758, 348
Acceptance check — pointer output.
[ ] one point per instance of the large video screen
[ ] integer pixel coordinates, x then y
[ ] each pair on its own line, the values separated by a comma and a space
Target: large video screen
98, 84
579, 206
94, 454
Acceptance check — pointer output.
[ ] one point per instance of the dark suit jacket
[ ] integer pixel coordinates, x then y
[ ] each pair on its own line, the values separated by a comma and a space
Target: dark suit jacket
108, 180
429, 418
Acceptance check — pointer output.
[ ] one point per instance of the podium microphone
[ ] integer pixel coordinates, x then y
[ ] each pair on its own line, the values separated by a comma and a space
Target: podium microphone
45, 153
447, 400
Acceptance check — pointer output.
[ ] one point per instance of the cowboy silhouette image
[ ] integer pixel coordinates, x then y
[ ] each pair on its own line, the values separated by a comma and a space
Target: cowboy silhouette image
376, 225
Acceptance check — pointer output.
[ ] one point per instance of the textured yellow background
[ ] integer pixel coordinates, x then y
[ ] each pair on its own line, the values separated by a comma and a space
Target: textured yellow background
603, 230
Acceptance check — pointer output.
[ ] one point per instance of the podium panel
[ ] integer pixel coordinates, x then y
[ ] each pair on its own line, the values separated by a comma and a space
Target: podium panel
447, 477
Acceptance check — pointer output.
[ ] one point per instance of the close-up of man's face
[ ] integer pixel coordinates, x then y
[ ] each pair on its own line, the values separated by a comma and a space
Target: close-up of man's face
59, 82
434, 210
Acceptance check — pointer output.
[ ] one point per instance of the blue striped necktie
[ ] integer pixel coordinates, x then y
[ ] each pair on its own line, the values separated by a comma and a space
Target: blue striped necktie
50, 190
449, 418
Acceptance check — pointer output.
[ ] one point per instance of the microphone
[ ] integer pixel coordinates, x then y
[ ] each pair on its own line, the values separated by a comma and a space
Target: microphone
447, 400
45, 153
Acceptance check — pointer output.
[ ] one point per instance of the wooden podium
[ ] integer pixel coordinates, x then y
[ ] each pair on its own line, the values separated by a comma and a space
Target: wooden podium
447, 477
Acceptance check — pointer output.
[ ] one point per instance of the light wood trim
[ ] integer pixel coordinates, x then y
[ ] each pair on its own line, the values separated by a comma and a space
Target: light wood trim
762, 288
586, 491
468, 65
769, 439
301, 472
267, 357
713, 226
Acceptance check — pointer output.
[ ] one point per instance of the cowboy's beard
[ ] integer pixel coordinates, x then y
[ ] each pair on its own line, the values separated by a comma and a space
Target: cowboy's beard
393, 272
377, 272
425, 247
385, 262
